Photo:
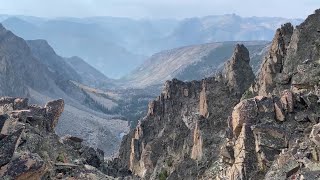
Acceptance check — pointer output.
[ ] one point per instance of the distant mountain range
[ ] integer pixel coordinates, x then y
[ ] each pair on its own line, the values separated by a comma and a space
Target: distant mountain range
116, 46
191, 62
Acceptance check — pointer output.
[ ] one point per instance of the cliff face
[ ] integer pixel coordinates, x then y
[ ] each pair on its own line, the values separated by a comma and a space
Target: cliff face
176, 138
201, 130
273, 62
274, 134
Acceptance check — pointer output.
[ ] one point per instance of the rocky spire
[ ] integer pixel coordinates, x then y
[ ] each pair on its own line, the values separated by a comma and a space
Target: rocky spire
237, 71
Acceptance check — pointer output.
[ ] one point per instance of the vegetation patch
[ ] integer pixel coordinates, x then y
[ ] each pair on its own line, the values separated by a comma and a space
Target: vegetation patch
163, 175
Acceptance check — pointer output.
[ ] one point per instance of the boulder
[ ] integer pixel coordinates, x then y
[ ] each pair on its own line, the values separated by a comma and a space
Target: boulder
20, 103
93, 157
24, 166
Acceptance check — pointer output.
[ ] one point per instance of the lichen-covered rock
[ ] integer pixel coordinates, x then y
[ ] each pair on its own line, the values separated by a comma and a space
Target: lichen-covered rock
23, 167
8, 146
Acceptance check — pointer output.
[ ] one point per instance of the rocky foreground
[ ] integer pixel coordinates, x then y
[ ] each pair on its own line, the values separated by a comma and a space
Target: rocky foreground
29, 148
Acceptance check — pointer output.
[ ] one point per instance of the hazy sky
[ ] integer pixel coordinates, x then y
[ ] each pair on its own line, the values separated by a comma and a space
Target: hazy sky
159, 8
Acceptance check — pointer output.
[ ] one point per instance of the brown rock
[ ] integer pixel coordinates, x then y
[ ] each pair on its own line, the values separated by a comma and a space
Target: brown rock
287, 101
197, 144
315, 134
244, 112
54, 110
203, 109
280, 116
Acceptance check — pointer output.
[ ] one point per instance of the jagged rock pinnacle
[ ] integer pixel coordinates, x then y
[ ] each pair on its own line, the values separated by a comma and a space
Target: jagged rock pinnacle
237, 71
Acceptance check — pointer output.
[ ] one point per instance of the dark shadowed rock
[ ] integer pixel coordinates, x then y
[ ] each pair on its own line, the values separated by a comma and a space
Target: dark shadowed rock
93, 157
8, 146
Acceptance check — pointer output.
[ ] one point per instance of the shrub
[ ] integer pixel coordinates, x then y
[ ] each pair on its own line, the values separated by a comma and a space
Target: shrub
163, 175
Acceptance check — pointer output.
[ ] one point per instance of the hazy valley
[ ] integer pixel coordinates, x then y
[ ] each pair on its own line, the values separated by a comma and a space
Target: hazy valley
214, 97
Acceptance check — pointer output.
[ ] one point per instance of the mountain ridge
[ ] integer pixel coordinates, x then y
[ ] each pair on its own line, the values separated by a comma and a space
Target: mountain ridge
128, 47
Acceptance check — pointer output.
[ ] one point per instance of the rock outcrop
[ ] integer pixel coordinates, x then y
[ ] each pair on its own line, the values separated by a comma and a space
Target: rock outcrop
273, 63
237, 70
275, 134
29, 148
258, 136
176, 140
293, 59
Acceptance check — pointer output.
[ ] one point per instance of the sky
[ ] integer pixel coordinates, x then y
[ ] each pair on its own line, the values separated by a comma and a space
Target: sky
159, 8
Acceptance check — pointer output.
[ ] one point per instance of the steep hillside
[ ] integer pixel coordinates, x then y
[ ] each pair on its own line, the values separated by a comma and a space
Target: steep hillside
234, 127
60, 70
19, 68
89, 75
71, 38
191, 62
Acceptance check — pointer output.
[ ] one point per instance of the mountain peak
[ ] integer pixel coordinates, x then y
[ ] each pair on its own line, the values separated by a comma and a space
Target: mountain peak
238, 72
241, 53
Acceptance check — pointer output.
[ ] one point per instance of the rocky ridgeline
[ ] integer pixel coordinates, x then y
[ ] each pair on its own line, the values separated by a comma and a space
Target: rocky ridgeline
180, 136
29, 148
293, 61
233, 126
275, 134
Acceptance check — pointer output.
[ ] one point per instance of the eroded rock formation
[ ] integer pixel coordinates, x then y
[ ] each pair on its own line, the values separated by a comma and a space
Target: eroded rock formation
202, 130
180, 136
237, 70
